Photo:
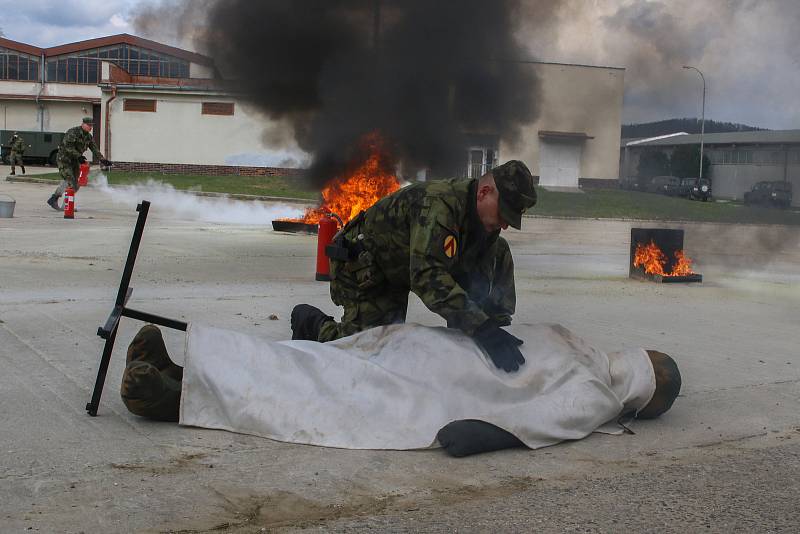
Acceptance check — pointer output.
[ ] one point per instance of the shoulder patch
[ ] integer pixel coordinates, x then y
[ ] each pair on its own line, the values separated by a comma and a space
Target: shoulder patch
450, 245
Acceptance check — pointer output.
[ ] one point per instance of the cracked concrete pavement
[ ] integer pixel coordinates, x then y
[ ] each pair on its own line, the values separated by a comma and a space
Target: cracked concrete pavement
726, 458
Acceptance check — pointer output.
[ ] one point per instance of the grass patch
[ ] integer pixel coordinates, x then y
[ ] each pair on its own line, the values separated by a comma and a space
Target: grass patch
274, 186
620, 204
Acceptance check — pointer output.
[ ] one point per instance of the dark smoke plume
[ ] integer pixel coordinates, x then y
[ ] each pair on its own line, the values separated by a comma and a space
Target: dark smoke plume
421, 73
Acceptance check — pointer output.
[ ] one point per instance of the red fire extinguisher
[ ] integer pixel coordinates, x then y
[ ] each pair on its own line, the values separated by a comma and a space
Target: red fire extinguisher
69, 203
83, 175
328, 226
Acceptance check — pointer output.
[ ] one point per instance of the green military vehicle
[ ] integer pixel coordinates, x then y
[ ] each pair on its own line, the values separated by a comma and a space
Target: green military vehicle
772, 194
42, 147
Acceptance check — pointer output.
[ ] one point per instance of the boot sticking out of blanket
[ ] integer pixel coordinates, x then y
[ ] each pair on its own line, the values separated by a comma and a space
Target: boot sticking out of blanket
148, 392
151, 382
148, 346
471, 436
306, 322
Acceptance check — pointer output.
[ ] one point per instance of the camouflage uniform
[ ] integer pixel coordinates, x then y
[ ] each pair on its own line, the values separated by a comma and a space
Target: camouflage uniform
17, 150
426, 238
75, 142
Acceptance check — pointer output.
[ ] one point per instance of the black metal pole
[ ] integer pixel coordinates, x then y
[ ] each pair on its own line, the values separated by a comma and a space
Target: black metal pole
109, 330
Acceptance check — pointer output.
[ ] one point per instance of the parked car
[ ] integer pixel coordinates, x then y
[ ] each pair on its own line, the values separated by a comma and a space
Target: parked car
773, 194
43, 145
666, 185
696, 189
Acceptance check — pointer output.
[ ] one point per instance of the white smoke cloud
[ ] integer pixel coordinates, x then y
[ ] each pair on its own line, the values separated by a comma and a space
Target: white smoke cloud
169, 203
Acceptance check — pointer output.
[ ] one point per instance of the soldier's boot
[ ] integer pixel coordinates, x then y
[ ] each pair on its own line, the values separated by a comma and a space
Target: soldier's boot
12, 171
306, 322
23, 169
148, 392
53, 202
148, 346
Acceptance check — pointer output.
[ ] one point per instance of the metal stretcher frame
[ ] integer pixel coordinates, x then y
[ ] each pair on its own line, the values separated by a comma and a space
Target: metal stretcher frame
109, 330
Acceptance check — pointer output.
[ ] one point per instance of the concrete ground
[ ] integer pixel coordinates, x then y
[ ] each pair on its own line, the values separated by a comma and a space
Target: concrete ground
726, 458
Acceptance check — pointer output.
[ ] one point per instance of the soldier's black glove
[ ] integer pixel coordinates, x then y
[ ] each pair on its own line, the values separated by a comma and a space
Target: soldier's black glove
502, 347
105, 163
82, 159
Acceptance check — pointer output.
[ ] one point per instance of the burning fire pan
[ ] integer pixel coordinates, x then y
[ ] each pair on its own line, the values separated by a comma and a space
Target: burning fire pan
669, 242
294, 227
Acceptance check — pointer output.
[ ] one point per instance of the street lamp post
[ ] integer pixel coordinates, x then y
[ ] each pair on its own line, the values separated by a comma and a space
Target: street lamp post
703, 119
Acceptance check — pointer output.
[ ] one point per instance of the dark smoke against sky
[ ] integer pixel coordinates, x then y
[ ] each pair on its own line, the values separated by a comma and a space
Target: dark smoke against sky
749, 50
439, 69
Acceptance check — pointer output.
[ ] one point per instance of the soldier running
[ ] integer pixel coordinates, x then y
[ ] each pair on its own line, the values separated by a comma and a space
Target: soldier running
17, 151
440, 240
76, 141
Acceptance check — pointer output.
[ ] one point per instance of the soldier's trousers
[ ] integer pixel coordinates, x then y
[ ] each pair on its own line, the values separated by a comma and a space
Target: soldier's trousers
16, 159
69, 176
383, 304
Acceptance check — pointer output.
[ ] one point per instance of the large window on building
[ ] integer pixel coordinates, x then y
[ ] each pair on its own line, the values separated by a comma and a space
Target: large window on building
84, 66
217, 108
18, 66
733, 157
139, 104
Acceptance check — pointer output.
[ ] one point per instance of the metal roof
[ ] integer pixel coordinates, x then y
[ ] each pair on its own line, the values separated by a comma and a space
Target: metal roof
759, 137
106, 41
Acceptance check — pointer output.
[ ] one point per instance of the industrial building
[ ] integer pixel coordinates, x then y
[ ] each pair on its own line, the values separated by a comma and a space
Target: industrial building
738, 159
163, 109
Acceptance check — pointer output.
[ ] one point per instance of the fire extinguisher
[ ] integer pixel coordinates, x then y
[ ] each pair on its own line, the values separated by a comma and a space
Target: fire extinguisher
83, 175
69, 203
328, 226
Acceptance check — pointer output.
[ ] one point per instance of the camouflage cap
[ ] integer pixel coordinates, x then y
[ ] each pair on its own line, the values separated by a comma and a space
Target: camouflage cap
88, 120
517, 193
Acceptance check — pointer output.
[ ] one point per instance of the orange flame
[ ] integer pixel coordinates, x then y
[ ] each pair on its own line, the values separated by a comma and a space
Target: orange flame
653, 260
348, 195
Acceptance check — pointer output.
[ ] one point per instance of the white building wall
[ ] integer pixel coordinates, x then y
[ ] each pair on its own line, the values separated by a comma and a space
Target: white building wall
177, 132
53, 116
61, 116
47, 115
576, 98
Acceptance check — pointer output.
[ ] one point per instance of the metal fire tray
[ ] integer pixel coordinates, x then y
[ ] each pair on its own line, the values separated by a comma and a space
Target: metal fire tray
294, 227
657, 278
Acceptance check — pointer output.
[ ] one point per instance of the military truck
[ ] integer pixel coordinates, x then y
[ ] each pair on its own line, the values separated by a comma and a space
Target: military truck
696, 189
772, 194
42, 146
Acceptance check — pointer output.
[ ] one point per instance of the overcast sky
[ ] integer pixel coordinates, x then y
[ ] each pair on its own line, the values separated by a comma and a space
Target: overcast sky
749, 50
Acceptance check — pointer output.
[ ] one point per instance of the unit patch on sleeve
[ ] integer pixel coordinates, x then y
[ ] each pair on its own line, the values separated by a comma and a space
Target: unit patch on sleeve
450, 246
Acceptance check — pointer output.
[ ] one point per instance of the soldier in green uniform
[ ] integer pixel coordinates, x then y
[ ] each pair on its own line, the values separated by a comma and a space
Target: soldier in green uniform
440, 240
17, 151
76, 141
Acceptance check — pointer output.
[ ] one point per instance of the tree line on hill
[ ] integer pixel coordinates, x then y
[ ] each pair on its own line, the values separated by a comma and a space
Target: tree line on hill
688, 125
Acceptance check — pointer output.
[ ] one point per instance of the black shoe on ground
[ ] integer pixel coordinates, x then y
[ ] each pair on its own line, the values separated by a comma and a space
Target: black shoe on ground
12, 173
306, 321
53, 202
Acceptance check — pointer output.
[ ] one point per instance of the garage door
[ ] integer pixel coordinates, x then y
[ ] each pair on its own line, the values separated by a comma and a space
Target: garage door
559, 163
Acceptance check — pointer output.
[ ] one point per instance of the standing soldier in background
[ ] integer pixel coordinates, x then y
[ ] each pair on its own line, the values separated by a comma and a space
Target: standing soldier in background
76, 141
17, 150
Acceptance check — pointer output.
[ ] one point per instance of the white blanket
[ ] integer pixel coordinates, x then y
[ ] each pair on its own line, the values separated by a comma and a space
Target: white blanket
394, 387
